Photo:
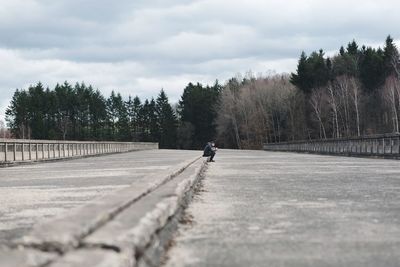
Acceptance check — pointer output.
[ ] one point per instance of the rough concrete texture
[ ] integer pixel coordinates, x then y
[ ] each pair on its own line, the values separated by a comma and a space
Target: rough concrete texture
143, 219
261, 208
135, 228
33, 194
24, 258
92, 258
67, 231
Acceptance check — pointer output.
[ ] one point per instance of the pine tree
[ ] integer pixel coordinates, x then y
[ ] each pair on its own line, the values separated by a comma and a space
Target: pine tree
98, 115
372, 69
167, 122
391, 58
37, 111
137, 118
18, 115
312, 72
153, 121
302, 77
112, 117
197, 108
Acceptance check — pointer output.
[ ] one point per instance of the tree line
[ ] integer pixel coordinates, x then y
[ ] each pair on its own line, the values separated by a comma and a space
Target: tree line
355, 92
80, 112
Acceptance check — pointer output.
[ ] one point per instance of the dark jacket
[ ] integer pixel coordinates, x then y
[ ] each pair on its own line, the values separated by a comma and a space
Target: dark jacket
207, 150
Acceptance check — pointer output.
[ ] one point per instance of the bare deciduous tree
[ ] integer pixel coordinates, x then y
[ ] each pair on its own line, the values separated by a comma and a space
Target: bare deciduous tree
334, 106
317, 101
342, 84
390, 95
355, 96
257, 110
2, 129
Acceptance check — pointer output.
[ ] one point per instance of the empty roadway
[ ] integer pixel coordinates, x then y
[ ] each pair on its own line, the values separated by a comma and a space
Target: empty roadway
254, 208
260, 208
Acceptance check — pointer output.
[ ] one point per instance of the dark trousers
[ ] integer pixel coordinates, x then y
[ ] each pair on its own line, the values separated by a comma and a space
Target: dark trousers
212, 154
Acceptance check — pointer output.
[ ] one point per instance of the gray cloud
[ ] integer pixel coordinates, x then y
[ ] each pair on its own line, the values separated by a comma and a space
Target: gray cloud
139, 47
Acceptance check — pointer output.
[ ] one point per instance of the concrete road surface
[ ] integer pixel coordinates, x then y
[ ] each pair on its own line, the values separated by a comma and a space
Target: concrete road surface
261, 208
33, 193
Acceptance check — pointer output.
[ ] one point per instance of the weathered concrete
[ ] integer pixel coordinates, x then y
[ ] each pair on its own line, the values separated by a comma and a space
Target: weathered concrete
32, 194
129, 227
24, 258
283, 209
138, 229
255, 208
165, 199
66, 232
92, 258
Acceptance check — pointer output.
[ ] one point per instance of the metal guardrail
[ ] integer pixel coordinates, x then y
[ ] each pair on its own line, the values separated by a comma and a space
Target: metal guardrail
15, 150
387, 145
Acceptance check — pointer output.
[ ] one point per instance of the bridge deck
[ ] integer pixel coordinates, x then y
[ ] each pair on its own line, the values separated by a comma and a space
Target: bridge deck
254, 208
30, 194
284, 209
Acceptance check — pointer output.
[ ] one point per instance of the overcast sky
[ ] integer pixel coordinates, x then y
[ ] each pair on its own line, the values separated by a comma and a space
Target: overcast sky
137, 47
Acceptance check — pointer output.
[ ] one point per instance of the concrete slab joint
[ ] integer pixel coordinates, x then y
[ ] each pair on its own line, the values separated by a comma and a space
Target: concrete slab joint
127, 229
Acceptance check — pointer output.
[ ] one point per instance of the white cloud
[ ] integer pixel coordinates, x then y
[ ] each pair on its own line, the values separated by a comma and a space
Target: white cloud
138, 47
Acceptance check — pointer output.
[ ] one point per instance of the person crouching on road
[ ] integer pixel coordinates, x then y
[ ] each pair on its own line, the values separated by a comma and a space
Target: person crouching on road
209, 151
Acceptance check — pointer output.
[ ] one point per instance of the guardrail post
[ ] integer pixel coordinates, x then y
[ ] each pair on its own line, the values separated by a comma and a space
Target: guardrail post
15, 151
398, 145
5, 151
380, 145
